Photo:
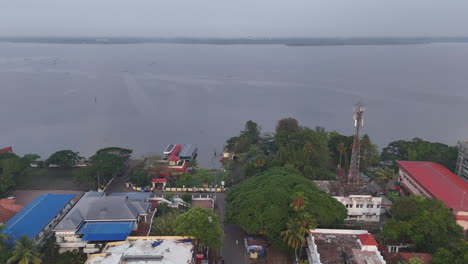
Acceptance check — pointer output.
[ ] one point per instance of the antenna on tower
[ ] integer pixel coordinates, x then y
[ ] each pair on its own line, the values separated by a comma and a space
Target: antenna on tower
354, 173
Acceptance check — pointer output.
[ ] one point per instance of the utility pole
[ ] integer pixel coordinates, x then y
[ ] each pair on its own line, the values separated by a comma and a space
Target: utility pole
354, 173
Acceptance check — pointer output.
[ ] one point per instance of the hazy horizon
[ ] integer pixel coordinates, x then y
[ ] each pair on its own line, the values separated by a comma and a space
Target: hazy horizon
242, 18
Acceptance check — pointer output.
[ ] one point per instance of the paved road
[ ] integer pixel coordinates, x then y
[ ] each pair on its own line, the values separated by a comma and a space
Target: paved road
232, 252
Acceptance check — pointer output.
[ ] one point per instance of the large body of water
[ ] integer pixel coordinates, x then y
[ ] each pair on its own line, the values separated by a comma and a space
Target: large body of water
143, 96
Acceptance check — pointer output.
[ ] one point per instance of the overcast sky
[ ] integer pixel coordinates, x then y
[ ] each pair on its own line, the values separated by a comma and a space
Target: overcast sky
234, 18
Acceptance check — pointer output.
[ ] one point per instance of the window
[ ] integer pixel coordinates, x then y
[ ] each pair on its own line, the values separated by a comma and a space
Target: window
359, 206
378, 206
370, 206
349, 206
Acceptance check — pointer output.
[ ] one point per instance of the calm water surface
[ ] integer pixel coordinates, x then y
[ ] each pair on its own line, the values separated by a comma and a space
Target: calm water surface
143, 96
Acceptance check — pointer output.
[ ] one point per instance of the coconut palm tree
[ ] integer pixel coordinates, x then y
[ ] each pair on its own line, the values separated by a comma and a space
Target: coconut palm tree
293, 235
24, 252
386, 174
298, 203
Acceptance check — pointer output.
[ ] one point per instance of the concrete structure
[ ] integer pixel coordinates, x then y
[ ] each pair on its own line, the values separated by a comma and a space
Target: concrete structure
462, 161
97, 218
166, 250
361, 207
437, 182
36, 220
337, 246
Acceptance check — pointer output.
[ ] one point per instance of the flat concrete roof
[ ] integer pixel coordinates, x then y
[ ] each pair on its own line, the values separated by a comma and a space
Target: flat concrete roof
140, 251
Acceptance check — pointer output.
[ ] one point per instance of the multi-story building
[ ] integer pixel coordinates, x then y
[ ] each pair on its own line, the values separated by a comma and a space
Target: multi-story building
361, 207
437, 182
462, 161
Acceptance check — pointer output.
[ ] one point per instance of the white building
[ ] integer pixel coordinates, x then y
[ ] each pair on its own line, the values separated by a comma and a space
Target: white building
337, 246
361, 207
148, 250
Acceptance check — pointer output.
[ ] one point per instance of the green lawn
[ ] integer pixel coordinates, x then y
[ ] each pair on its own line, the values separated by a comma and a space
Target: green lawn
200, 177
49, 179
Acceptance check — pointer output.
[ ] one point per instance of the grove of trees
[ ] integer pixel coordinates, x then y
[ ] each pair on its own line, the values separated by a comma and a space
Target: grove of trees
261, 204
425, 223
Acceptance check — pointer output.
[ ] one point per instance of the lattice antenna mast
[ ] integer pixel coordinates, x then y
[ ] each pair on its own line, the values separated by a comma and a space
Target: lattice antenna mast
353, 176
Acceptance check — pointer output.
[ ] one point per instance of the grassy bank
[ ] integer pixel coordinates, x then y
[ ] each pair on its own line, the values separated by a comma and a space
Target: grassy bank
49, 179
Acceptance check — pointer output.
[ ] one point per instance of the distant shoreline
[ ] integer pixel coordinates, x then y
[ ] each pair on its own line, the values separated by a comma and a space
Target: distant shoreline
293, 42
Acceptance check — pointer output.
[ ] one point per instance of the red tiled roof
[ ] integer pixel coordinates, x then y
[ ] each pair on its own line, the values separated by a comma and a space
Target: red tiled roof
440, 182
8, 209
159, 180
367, 240
6, 150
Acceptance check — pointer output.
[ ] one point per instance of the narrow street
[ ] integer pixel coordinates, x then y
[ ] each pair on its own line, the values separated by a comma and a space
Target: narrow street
232, 252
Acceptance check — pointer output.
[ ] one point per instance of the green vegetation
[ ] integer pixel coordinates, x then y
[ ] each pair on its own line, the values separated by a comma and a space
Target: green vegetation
455, 253
24, 252
49, 179
299, 224
261, 203
202, 224
64, 159
385, 175
187, 197
140, 178
314, 153
164, 225
103, 166
200, 177
12, 168
420, 150
426, 223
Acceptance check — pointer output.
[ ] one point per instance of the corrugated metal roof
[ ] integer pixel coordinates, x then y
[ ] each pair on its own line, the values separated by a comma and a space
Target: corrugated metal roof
121, 206
36, 215
440, 182
105, 231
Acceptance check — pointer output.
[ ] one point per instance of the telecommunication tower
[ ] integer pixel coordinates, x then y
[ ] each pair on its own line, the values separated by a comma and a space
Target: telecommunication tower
353, 174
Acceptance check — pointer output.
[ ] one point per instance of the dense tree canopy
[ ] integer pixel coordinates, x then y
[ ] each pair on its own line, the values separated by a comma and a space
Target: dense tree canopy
421, 150
455, 253
64, 159
426, 223
287, 125
11, 169
261, 203
305, 150
102, 167
202, 224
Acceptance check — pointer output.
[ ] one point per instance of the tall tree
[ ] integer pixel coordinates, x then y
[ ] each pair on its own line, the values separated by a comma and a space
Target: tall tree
202, 224
256, 209
101, 168
369, 153
165, 225
24, 252
421, 150
385, 175
251, 132
64, 159
454, 253
287, 125
426, 223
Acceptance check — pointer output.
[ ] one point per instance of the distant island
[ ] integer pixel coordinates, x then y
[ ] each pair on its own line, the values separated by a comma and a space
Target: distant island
241, 41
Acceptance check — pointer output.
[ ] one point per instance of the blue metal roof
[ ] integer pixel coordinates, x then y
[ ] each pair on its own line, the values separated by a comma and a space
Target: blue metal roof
105, 231
187, 151
36, 215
